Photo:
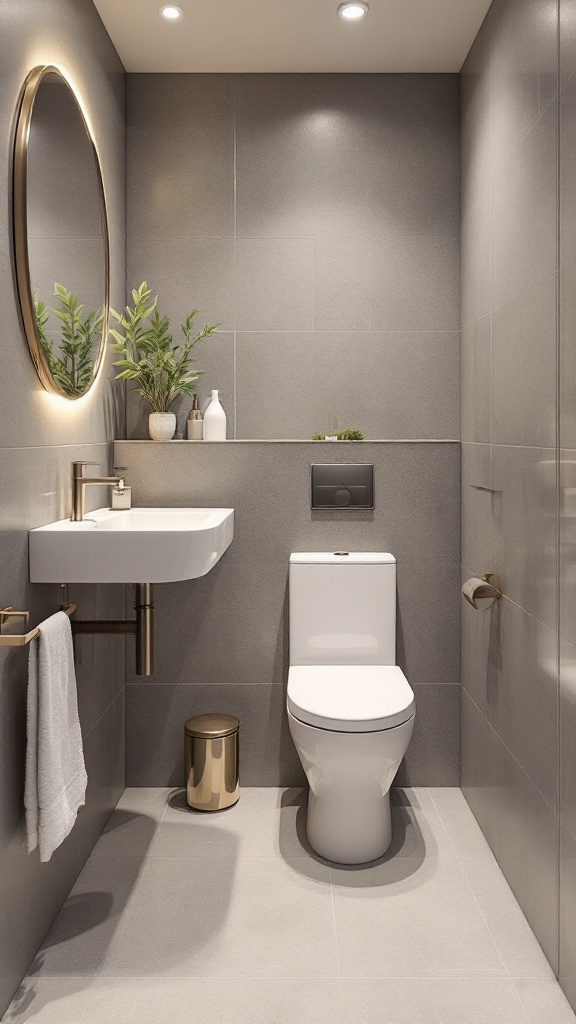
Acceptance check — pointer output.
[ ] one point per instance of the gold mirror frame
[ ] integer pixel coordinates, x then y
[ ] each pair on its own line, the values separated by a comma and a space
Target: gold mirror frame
20, 229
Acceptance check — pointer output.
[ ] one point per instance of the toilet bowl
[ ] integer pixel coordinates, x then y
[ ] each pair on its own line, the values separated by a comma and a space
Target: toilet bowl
350, 708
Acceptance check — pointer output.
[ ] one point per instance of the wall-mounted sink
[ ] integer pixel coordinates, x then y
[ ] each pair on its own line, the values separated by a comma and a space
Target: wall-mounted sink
156, 545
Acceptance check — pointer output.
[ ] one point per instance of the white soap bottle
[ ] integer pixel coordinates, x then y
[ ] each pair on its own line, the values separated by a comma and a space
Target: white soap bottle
214, 420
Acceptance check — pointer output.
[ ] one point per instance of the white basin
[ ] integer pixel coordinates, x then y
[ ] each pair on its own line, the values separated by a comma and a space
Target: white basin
142, 545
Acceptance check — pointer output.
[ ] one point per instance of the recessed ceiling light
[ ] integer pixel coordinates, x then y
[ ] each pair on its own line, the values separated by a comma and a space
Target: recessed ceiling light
353, 10
171, 13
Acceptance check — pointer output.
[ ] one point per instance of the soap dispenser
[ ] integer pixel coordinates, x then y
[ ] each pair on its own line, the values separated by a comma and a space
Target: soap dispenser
195, 423
120, 495
215, 420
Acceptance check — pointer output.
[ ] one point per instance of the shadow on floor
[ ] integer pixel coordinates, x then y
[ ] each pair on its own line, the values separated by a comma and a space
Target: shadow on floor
406, 855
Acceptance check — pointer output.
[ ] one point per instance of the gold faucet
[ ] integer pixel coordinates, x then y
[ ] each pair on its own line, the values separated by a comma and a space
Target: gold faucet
80, 482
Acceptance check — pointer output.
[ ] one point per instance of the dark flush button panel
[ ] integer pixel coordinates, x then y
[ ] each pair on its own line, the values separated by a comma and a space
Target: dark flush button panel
345, 487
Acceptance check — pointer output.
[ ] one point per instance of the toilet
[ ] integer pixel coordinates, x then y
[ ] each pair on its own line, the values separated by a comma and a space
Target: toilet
350, 707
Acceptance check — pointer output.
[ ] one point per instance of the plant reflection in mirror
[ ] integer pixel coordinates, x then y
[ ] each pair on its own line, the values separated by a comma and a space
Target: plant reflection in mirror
72, 363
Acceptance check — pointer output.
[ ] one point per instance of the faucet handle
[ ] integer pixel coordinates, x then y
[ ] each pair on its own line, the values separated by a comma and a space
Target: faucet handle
78, 467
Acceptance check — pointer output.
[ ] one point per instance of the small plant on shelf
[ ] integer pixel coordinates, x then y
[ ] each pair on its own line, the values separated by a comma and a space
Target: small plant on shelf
160, 368
340, 435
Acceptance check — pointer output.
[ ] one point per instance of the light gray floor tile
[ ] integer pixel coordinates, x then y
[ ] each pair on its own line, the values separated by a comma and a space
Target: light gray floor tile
411, 918
266, 822
432, 1001
270, 822
61, 1001
133, 827
544, 1002
463, 830
515, 940
77, 944
215, 1001
227, 916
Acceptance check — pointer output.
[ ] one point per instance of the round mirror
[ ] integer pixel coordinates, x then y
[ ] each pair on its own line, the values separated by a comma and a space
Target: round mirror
60, 235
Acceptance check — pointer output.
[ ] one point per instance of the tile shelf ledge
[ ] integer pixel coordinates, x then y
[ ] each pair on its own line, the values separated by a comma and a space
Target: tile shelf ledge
295, 440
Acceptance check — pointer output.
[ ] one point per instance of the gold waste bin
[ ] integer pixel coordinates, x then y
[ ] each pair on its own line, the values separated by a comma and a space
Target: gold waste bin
211, 762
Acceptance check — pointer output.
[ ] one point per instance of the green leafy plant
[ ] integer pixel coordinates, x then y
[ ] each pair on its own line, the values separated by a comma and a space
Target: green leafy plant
72, 362
343, 435
159, 368
350, 435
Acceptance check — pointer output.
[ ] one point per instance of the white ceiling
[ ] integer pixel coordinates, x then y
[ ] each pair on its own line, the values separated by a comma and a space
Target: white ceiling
293, 35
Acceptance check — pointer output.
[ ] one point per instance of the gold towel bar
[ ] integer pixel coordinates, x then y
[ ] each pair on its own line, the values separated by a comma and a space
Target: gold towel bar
21, 639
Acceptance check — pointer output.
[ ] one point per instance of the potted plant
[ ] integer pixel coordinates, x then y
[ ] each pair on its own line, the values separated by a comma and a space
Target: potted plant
159, 368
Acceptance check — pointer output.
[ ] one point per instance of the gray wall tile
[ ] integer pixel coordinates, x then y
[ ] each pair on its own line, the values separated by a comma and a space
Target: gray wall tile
187, 273
567, 358
476, 381
40, 437
325, 167
236, 617
509, 266
524, 527
267, 754
476, 255
567, 160
567, 698
342, 285
274, 284
524, 368
515, 817
567, 973
524, 201
351, 377
415, 283
477, 508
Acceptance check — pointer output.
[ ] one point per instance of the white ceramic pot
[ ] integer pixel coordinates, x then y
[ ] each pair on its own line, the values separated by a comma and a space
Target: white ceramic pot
162, 426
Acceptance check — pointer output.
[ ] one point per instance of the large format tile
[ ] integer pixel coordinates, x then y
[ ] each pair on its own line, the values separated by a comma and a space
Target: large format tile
476, 256
212, 1000
134, 825
416, 282
244, 914
175, 188
515, 940
476, 382
411, 918
514, 816
567, 718
476, 116
50, 1001
342, 285
156, 758
461, 827
544, 1000
567, 969
524, 368
432, 1001
524, 212
567, 158
363, 369
274, 285
524, 69
524, 527
186, 274
567, 358
477, 508
523, 693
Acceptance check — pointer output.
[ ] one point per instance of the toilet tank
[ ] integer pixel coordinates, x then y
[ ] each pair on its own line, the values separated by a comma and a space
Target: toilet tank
342, 608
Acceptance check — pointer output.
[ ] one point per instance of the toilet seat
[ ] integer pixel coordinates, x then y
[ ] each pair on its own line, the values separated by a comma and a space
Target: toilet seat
350, 698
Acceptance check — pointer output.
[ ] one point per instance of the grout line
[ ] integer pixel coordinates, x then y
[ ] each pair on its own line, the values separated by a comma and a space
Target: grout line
338, 971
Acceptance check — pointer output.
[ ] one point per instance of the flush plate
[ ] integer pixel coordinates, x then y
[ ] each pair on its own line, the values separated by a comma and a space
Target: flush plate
343, 486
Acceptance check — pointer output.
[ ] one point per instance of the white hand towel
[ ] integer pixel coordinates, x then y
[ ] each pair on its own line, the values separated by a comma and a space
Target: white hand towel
55, 772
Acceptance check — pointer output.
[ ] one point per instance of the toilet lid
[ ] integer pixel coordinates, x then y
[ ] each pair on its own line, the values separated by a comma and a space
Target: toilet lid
350, 698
